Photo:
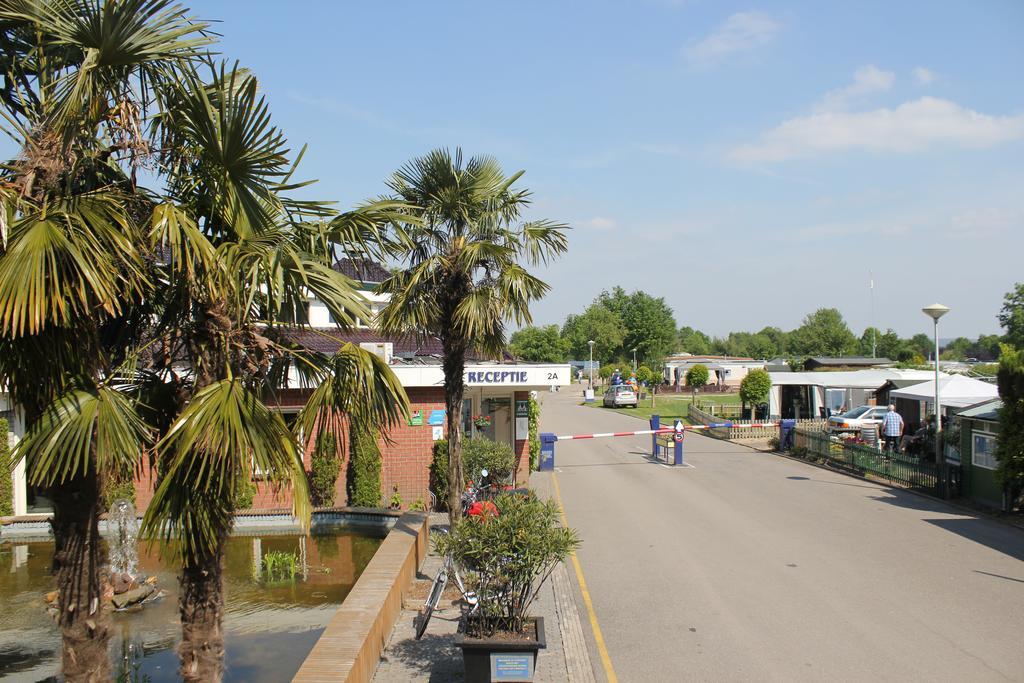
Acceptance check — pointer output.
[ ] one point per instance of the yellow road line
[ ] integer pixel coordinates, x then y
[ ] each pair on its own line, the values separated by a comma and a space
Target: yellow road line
602, 650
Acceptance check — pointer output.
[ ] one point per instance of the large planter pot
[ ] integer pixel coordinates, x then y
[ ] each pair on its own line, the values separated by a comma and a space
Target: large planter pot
497, 659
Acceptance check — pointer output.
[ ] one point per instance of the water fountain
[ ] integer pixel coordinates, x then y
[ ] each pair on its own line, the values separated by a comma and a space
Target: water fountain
124, 553
124, 558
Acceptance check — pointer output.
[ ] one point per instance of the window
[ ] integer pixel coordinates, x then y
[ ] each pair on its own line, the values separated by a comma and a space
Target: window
983, 454
298, 315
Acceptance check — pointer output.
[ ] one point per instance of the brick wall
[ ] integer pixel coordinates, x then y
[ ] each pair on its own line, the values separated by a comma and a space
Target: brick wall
405, 460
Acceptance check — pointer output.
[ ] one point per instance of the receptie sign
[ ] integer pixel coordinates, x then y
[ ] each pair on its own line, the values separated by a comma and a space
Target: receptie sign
511, 666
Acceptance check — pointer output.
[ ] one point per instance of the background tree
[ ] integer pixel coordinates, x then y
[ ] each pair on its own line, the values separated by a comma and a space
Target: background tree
596, 323
921, 345
649, 325
1010, 444
1011, 316
693, 341
957, 349
462, 275
754, 388
539, 344
824, 333
697, 377
869, 342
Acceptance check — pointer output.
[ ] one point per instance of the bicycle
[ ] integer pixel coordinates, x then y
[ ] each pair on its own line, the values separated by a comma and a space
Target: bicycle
448, 569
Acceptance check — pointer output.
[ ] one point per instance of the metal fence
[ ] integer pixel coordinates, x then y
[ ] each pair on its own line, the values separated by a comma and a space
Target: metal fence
907, 471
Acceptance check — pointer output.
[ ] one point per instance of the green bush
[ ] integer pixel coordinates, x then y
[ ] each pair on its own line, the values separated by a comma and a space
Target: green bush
363, 482
497, 458
697, 376
508, 557
755, 387
118, 486
534, 415
6, 482
645, 375
439, 474
477, 454
324, 468
604, 372
245, 492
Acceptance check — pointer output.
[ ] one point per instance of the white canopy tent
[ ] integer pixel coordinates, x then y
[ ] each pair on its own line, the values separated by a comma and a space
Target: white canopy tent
851, 388
955, 391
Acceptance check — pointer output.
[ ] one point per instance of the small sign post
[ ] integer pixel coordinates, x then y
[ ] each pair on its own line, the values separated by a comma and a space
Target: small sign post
678, 438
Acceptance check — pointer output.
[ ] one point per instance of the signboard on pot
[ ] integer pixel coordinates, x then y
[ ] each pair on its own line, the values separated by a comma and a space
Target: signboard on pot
512, 666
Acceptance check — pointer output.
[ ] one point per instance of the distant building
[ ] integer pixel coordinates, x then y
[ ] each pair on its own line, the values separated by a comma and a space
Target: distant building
848, 363
723, 370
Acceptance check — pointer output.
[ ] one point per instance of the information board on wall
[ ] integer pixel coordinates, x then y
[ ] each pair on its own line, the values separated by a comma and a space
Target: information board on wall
522, 420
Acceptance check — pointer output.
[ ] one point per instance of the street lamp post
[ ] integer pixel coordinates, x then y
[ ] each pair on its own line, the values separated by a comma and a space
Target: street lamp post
936, 311
591, 345
634, 359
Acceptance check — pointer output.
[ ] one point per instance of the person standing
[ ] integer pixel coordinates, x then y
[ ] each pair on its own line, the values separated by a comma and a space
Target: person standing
892, 429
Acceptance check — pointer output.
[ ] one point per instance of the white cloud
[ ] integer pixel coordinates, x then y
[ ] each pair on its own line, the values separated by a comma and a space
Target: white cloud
924, 76
600, 223
867, 80
740, 32
913, 126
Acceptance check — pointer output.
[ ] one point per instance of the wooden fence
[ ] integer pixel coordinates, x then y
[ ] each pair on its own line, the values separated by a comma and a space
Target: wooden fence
739, 430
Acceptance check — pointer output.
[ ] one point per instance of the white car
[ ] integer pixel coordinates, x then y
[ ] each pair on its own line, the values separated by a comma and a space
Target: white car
853, 420
620, 396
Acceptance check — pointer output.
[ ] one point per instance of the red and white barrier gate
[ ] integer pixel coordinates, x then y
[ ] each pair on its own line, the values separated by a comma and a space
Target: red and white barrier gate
547, 440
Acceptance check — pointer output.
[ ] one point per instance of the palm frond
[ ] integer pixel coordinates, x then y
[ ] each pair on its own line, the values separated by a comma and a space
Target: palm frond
61, 444
74, 258
220, 438
147, 39
226, 159
356, 384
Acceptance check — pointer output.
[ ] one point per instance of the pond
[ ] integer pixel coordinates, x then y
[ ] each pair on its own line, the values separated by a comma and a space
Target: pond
270, 625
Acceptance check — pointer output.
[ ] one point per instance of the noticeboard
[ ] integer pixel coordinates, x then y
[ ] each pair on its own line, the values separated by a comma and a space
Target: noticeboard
522, 420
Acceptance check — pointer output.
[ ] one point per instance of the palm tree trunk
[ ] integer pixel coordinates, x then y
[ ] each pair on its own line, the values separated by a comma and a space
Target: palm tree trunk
201, 605
454, 388
202, 612
77, 562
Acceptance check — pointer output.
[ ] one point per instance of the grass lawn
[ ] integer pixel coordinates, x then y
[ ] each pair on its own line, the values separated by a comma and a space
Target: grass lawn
668, 406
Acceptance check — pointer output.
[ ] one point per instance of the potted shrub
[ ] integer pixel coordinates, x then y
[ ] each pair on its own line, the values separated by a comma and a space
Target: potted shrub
508, 557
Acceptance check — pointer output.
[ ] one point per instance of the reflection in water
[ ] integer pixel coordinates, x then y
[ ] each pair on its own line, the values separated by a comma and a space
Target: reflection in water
270, 626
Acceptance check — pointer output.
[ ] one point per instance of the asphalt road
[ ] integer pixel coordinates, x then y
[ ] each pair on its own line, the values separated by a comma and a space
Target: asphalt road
750, 566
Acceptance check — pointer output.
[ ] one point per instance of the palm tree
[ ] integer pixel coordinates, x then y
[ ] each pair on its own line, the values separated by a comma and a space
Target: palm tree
242, 261
79, 78
463, 277
106, 289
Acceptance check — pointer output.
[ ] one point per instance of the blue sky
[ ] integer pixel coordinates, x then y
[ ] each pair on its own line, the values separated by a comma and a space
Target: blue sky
748, 162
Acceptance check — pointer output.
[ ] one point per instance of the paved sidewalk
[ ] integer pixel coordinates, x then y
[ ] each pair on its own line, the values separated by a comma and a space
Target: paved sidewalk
435, 657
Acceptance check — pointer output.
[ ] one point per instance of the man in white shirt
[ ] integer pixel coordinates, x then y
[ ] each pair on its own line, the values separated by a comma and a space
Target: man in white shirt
892, 429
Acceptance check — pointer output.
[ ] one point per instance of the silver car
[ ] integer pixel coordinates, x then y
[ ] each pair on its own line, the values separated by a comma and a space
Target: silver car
620, 396
853, 420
